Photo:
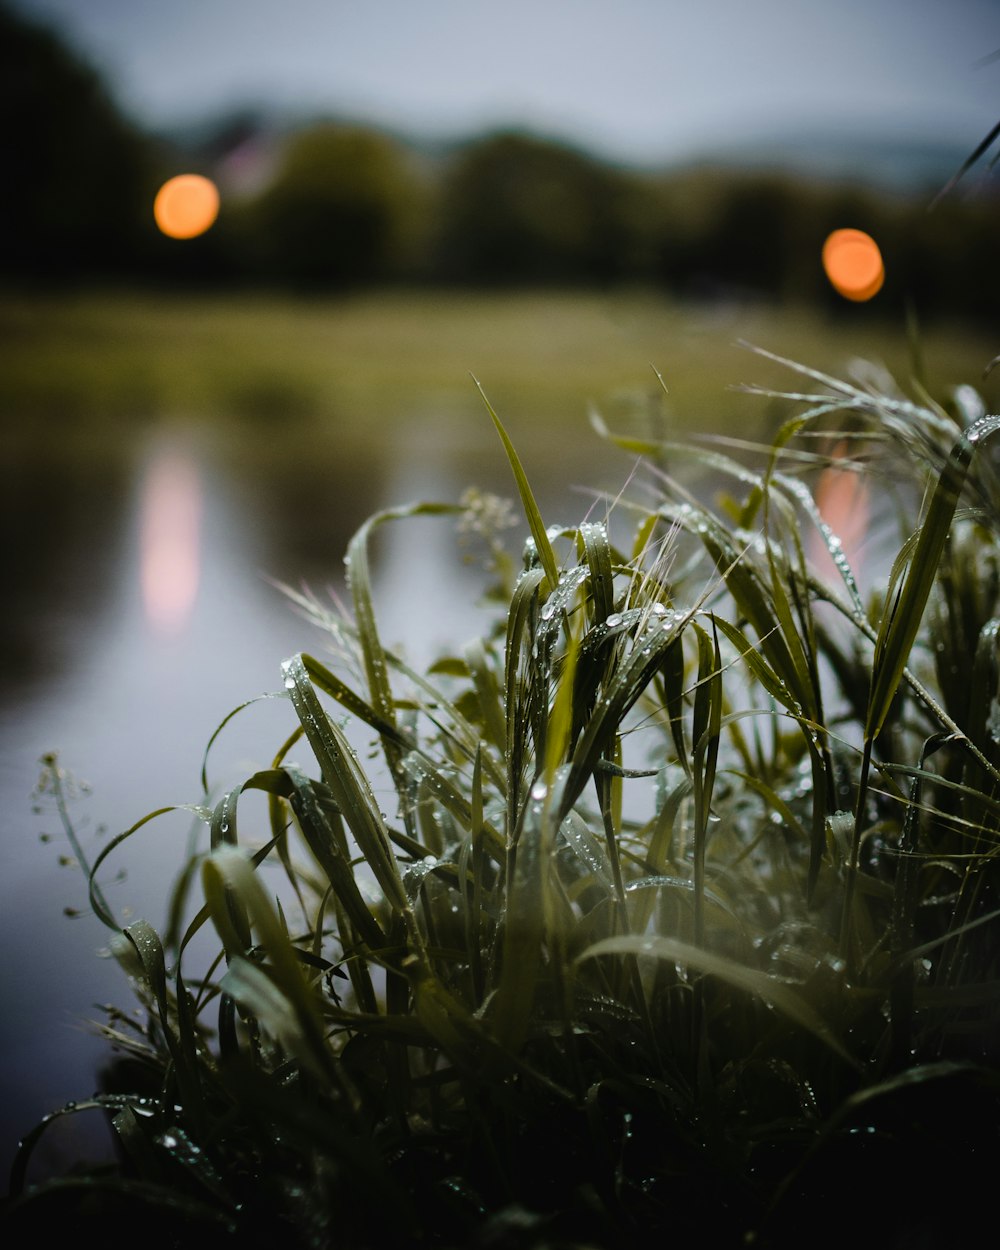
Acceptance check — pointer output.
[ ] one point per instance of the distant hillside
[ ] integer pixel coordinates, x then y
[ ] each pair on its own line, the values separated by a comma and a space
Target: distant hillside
888, 162
880, 161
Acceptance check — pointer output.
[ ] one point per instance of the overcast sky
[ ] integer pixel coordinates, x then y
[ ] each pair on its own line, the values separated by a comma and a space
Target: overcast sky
640, 79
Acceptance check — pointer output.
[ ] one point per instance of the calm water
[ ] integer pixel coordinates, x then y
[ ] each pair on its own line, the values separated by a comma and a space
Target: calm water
143, 614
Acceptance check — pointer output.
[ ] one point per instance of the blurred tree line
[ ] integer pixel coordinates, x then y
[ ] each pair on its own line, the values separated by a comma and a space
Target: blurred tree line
344, 206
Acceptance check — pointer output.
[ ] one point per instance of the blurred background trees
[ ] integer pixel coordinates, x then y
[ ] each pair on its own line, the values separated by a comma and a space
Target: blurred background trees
333, 206
77, 175
515, 208
342, 209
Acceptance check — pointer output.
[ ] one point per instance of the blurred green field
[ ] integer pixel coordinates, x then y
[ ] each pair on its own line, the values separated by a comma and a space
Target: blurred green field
77, 371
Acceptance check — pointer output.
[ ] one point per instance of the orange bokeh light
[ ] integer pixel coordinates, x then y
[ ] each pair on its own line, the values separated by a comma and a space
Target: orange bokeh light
853, 263
186, 206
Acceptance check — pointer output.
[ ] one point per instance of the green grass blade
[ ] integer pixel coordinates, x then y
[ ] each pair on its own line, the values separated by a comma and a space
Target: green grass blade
534, 518
523, 925
899, 624
705, 729
488, 692
348, 784
748, 980
281, 990
329, 846
596, 551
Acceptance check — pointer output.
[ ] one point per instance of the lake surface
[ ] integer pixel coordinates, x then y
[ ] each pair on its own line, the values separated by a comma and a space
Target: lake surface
143, 613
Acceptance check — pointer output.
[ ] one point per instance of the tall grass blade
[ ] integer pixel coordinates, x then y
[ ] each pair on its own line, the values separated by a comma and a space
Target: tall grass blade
899, 624
348, 784
539, 533
747, 980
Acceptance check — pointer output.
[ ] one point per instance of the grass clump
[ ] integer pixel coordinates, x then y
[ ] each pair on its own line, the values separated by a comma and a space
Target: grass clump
683, 919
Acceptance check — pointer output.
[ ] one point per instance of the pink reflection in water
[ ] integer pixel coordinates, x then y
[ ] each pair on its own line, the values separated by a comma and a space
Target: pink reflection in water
170, 540
842, 497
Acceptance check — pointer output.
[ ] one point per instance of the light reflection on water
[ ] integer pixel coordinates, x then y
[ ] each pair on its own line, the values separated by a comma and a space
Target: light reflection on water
129, 706
170, 538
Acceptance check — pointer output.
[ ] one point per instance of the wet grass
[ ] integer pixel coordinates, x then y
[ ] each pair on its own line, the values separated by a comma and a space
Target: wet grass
666, 908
